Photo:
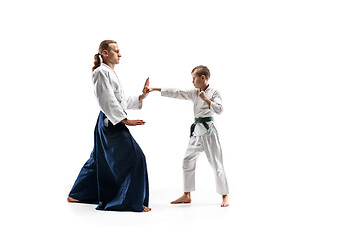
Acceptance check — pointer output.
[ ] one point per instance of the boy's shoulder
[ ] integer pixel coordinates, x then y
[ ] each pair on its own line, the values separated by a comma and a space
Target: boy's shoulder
213, 90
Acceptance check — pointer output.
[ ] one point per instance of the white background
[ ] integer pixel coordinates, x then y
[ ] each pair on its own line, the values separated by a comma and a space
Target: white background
288, 72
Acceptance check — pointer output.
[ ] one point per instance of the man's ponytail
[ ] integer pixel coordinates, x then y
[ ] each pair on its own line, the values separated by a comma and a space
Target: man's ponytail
97, 61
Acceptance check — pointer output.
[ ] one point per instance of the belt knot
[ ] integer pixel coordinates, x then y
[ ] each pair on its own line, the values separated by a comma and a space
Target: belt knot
203, 121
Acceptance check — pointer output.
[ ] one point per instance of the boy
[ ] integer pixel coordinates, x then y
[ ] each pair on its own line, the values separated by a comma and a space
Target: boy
203, 133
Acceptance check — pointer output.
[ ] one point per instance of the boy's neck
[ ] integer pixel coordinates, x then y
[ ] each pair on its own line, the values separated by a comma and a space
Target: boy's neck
203, 88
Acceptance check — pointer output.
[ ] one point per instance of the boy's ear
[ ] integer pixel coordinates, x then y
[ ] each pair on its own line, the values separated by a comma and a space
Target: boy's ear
203, 78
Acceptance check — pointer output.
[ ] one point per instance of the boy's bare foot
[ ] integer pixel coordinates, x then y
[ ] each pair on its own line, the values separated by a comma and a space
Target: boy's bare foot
225, 201
146, 209
70, 199
185, 198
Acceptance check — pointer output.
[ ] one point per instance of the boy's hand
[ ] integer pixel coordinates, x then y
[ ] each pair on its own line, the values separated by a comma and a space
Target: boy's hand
204, 97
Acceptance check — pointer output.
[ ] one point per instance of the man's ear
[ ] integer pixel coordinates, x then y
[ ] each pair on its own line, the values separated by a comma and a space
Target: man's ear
105, 53
203, 78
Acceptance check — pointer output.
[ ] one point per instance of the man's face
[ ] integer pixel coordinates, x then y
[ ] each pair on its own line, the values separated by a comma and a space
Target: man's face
114, 53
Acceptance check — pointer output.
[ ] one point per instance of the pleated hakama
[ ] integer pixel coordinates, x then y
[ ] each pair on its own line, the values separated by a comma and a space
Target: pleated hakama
115, 176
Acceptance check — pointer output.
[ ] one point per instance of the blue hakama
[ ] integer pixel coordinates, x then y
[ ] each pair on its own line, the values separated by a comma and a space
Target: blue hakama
115, 176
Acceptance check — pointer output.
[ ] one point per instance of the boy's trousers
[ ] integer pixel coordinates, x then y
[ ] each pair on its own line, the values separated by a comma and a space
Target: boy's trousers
210, 144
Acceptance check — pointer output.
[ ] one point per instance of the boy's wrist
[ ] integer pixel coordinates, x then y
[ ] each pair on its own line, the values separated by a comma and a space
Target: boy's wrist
208, 101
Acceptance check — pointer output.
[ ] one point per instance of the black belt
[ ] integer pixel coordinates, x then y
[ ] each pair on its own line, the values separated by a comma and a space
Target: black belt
203, 121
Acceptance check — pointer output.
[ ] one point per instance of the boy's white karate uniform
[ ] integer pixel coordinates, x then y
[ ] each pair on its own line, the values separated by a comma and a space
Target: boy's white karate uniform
202, 140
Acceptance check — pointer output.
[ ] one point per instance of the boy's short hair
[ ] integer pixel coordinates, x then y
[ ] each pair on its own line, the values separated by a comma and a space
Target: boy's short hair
201, 70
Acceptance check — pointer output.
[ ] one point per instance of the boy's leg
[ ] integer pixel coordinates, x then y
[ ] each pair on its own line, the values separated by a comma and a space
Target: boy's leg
189, 164
212, 149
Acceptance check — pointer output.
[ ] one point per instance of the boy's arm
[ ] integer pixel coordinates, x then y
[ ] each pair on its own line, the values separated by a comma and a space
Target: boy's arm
203, 97
155, 89
175, 93
215, 104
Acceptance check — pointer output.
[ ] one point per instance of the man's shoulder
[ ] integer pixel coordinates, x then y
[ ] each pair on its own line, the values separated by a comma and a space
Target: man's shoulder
102, 70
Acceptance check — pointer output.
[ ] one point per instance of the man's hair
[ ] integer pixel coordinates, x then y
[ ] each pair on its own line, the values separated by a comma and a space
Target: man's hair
201, 70
104, 45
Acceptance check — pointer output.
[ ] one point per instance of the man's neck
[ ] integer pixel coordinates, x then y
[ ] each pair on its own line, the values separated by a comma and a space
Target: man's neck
112, 66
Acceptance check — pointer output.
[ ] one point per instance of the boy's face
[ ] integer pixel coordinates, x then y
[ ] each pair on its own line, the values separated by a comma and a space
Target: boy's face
198, 81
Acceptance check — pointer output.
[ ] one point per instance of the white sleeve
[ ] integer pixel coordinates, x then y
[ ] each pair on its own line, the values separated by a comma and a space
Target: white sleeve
133, 102
108, 103
216, 103
179, 94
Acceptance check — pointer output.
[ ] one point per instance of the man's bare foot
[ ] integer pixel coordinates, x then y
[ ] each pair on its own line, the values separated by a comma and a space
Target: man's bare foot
70, 199
185, 198
146, 209
225, 201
